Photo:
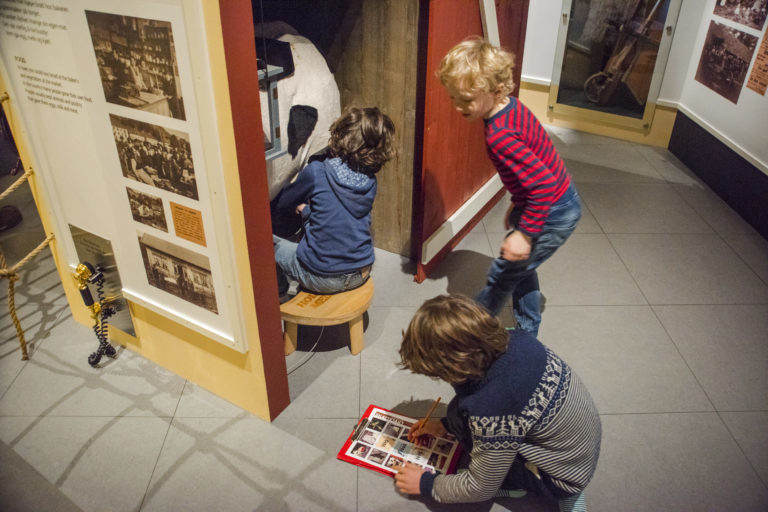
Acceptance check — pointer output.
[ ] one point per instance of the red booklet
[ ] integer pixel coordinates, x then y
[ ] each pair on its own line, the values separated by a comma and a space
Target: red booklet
380, 442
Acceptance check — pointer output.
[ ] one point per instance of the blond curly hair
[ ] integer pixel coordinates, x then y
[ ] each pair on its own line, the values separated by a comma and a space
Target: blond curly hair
475, 65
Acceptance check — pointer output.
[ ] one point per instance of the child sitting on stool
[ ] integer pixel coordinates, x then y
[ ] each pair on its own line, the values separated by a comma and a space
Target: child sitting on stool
525, 418
334, 198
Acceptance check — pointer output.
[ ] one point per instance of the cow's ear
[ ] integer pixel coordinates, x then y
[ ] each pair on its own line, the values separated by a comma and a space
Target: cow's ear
301, 122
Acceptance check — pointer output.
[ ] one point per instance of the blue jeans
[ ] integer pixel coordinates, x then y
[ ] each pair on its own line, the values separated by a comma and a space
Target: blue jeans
518, 278
288, 265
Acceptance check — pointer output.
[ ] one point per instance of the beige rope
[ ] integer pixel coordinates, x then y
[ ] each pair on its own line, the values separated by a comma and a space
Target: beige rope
13, 275
16, 184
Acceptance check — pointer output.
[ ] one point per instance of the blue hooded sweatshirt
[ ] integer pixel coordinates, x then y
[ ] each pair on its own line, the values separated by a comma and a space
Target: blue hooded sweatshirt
337, 218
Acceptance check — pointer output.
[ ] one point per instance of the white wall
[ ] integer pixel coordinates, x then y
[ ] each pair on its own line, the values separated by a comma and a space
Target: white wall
743, 126
544, 18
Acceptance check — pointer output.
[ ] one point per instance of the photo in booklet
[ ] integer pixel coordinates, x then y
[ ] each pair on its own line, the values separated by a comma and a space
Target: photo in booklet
379, 442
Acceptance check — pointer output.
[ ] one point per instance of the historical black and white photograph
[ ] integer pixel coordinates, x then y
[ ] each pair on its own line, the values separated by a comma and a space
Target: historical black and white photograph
147, 209
725, 60
178, 271
137, 63
154, 155
751, 13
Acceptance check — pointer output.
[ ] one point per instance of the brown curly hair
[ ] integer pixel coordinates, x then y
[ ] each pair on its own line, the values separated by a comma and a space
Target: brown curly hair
452, 338
363, 138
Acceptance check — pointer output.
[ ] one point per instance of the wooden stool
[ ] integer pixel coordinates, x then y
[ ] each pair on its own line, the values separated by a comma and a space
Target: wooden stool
334, 309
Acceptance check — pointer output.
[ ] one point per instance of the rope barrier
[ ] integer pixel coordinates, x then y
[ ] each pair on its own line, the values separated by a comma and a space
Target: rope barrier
16, 184
12, 275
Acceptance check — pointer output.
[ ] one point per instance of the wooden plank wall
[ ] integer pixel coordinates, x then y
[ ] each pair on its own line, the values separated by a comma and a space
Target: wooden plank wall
374, 59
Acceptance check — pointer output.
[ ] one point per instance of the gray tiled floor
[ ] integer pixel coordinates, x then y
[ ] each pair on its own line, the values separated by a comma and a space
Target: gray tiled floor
659, 301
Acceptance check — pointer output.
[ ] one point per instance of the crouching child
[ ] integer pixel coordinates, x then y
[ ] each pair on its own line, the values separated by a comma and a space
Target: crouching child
525, 418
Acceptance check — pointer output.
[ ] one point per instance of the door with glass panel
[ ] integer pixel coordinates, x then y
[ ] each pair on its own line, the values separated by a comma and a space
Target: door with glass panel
610, 59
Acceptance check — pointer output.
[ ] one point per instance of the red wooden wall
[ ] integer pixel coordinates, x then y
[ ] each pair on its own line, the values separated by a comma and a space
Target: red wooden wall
454, 162
240, 55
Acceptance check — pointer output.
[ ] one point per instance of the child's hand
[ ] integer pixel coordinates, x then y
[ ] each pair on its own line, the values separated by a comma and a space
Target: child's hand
431, 427
408, 478
300, 208
516, 247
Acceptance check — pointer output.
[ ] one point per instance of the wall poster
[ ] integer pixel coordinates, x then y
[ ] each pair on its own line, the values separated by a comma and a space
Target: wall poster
758, 78
725, 60
751, 13
116, 99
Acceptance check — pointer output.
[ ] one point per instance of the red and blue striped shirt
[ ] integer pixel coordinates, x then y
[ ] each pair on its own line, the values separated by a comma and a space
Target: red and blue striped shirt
527, 162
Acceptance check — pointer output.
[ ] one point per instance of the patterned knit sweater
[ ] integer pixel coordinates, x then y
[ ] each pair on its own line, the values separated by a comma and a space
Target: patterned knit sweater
531, 405
527, 163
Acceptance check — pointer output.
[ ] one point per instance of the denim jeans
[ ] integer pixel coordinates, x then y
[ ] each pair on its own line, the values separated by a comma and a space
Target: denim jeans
518, 278
288, 265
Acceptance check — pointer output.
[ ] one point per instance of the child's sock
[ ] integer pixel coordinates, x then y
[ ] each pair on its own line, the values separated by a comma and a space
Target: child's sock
575, 503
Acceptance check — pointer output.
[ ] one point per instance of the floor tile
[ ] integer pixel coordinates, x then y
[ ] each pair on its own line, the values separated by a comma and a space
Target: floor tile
36, 324
714, 210
97, 463
625, 358
681, 461
689, 269
39, 281
668, 166
465, 269
398, 287
641, 208
725, 347
197, 402
252, 465
606, 163
328, 385
58, 381
753, 249
494, 219
23, 488
576, 138
588, 223
750, 429
587, 271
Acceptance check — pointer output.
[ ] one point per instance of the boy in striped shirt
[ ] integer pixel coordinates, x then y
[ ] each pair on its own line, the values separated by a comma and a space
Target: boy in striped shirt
545, 205
523, 415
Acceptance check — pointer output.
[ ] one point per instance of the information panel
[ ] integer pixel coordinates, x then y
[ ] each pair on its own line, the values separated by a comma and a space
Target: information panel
117, 102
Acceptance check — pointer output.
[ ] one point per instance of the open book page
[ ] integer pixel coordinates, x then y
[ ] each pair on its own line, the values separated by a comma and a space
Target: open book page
381, 442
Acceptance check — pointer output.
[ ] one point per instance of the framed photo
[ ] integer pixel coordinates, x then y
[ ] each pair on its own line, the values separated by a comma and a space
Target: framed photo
137, 62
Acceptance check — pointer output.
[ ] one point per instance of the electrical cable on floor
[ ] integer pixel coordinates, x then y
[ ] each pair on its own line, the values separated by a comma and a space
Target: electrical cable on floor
308, 356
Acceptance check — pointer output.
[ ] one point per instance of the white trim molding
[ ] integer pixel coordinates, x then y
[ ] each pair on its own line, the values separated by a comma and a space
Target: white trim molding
448, 229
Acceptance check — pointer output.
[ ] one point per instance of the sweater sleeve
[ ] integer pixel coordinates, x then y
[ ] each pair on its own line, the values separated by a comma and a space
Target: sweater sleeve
489, 464
299, 191
487, 470
534, 178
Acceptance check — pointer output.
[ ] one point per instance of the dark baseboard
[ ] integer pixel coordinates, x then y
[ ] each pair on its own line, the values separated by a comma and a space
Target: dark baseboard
739, 183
